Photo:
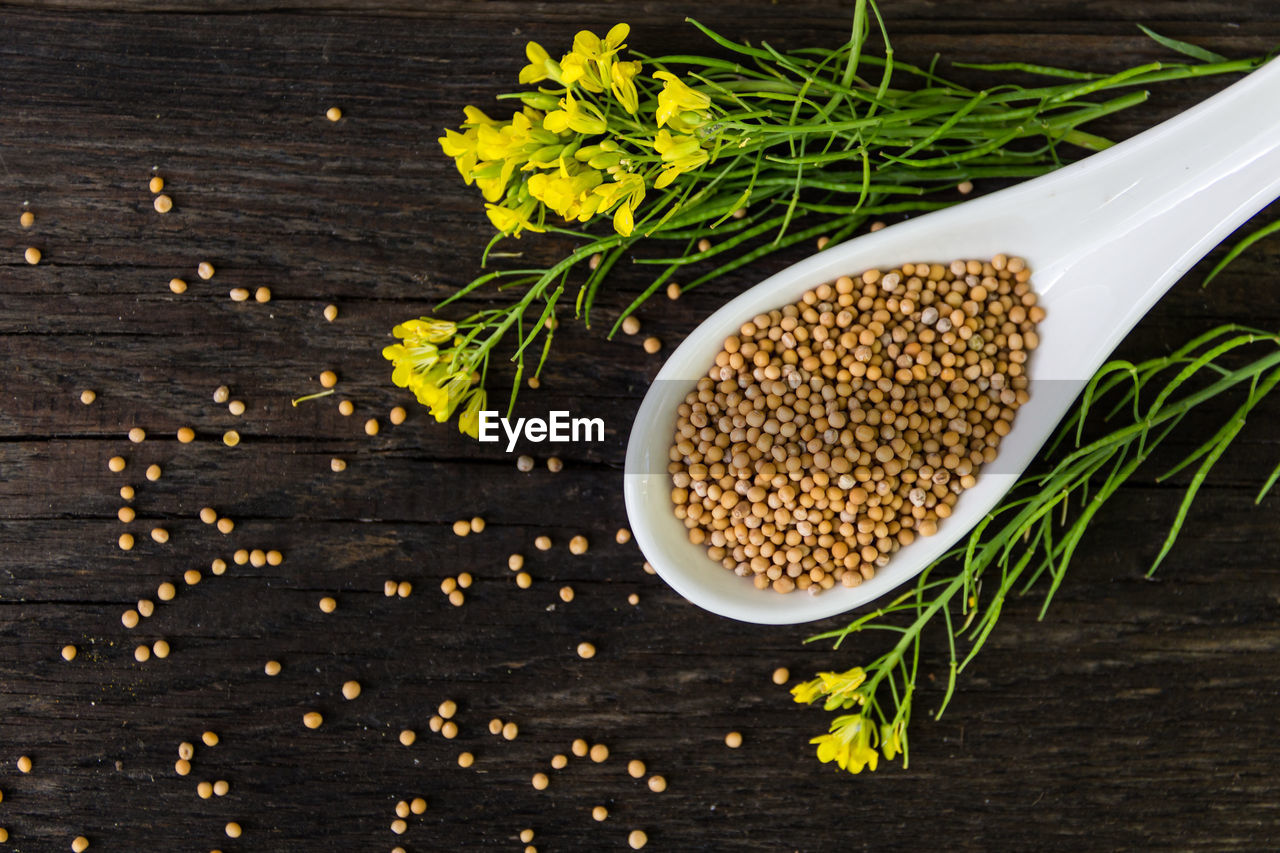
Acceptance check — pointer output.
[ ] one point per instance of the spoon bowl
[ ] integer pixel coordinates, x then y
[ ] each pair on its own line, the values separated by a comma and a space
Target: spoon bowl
1105, 238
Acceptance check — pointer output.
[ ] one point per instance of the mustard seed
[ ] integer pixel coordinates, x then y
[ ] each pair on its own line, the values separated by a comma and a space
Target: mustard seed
328, 604
126, 514
153, 472
457, 598
126, 492
328, 379
635, 768
262, 295
32, 255
371, 426
350, 689
435, 723
418, 805
397, 415
633, 599
495, 726
599, 813
461, 527
337, 465
313, 719
559, 761
964, 187
142, 654
448, 585
137, 435
166, 591
27, 219
823, 242
637, 839
524, 464
160, 535
404, 589
69, 652
331, 312
191, 577
257, 558
116, 464
225, 525
333, 114
177, 285
240, 556
554, 465
79, 844
673, 291
657, 783
407, 737
231, 438
566, 594
599, 753
733, 740
125, 541
464, 580
449, 729
652, 345
781, 675
272, 668
586, 651
623, 536
877, 226
160, 648
129, 618
510, 731
24, 764
87, 397
232, 829
466, 759
236, 407
398, 826
447, 709
4, 833
579, 747
540, 781
578, 545
208, 515
221, 788
524, 580
221, 394
630, 324
515, 562
274, 557
162, 203
204, 790
239, 294
704, 245
145, 608
210, 738
156, 184
205, 270
542, 543
477, 525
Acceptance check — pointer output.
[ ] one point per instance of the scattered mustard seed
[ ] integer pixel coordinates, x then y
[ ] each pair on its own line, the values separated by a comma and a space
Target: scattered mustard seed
586, 651
515, 562
477, 525
657, 783
351, 689
32, 255
137, 435
239, 294
79, 844
146, 607
877, 226
964, 187
554, 465
240, 556
457, 598
126, 514
221, 394
398, 826
649, 569
371, 426
540, 781
397, 415
116, 464
466, 759
673, 291
633, 599
566, 594
205, 270
599, 813
449, 729
328, 379
404, 589
160, 535
208, 515
129, 618
156, 184
225, 525
579, 747
823, 242
162, 203
160, 648
407, 737
637, 839
221, 788
464, 580
177, 285
524, 580
333, 114
204, 790
166, 591
210, 738
331, 312
781, 675
542, 543
448, 585
495, 726
630, 324
262, 295
127, 492
559, 761
623, 536
232, 829
4, 833
652, 345
578, 545
337, 465
461, 527
733, 740
87, 397
236, 407
418, 805
154, 472
274, 557
599, 753
447, 709
24, 764
328, 604
27, 219
257, 558
510, 731
272, 668
218, 566
524, 463
142, 654
346, 408
435, 723
312, 719
125, 541
69, 652
231, 438
635, 768
402, 808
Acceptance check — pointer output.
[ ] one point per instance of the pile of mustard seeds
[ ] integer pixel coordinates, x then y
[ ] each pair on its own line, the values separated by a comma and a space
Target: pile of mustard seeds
833, 431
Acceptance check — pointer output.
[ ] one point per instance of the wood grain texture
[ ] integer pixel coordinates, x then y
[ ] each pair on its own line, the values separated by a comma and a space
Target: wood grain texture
1138, 714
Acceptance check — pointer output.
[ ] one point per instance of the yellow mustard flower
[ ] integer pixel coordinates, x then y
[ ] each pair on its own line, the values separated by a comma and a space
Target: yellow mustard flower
626, 191
462, 148
565, 190
475, 117
680, 153
576, 115
541, 66
891, 739
676, 98
589, 63
469, 420
512, 221
622, 77
848, 744
840, 688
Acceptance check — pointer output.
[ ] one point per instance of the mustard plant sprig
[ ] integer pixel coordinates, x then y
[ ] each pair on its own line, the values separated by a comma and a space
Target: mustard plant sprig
719, 161
1027, 543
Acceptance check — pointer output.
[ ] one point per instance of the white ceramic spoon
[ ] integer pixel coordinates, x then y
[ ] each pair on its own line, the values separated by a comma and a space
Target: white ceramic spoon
1105, 238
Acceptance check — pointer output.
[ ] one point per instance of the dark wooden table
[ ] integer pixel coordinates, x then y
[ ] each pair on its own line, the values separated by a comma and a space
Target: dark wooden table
1137, 714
